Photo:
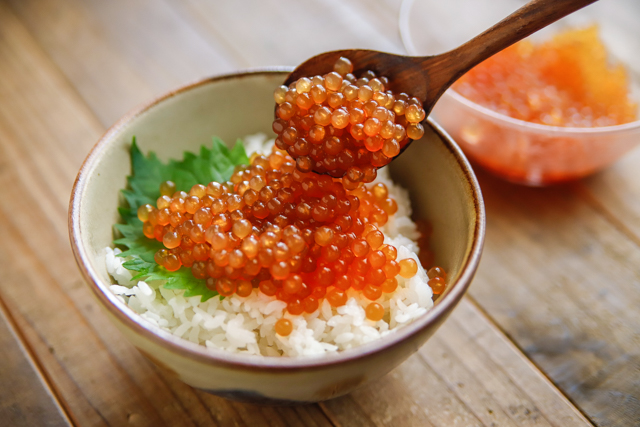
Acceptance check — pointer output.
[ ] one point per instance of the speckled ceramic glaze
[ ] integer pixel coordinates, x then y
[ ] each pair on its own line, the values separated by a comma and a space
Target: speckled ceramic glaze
442, 188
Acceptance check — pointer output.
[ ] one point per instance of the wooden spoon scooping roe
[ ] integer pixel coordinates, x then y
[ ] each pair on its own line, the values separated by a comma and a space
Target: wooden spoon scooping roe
345, 126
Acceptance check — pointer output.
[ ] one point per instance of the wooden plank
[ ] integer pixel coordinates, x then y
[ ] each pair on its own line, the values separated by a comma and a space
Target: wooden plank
563, 282
615, 193
467, 374
25, 398
278, 32
119, 53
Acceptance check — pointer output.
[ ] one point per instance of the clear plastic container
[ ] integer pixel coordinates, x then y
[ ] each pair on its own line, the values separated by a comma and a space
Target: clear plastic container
519, 151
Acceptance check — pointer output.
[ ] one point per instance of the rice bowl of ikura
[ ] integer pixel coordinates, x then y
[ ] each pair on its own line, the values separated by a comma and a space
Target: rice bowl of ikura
440, 183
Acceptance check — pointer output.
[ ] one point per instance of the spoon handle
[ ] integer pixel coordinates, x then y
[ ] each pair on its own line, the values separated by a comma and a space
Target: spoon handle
523, 22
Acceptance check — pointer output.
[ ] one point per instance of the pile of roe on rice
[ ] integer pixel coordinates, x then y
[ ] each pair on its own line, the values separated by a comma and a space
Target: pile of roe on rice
288, 262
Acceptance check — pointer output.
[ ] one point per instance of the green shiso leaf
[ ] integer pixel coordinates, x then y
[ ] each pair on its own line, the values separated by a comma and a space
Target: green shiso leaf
143, 186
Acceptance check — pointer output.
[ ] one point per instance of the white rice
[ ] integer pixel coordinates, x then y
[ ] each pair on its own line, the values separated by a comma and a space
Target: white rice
246, 324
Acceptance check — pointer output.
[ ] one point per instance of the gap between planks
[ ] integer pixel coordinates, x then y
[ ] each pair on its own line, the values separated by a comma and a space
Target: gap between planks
509, 341
497, 375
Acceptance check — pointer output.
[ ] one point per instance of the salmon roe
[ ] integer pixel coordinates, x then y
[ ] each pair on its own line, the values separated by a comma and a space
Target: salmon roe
374, 311
301, 237
283, 327
566, 81
436, 274
345, 126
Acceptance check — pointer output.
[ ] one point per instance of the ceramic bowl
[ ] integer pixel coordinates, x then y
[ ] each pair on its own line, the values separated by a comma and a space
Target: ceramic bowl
516, 150
442, 186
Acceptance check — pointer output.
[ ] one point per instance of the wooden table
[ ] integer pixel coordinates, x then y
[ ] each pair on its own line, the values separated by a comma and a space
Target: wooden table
548, 335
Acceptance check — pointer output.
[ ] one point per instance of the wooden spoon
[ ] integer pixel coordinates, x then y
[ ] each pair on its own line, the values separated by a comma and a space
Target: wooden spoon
427, 77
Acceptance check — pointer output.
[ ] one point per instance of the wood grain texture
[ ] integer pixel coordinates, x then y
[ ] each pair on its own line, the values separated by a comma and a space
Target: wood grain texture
120, 53
575, 316
25, 396
465, 375
276, 32
559, 274
615, 193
